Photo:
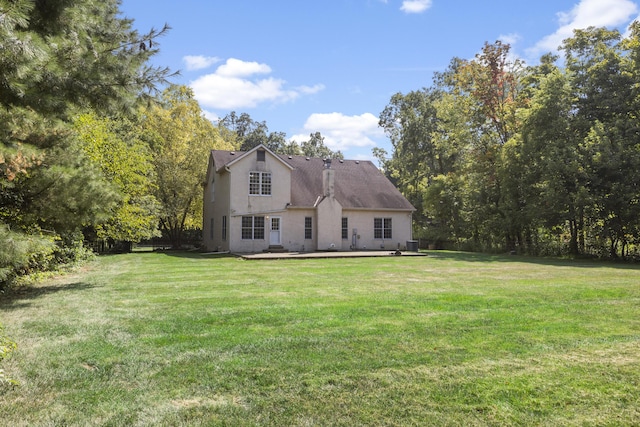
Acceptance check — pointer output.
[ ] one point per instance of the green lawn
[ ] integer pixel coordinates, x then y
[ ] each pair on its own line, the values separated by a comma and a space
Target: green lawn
448, 339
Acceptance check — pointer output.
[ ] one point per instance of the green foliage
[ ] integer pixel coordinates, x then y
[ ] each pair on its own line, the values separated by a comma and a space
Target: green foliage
531, 150
62, 54
246, 133
22, 254
181, 139
420, 147
6, 348
60, 58
315, 147
125, 162
65, 193
71, 250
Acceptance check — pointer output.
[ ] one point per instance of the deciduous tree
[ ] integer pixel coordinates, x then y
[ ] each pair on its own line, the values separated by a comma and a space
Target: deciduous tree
125, 161
60, 57
180, 138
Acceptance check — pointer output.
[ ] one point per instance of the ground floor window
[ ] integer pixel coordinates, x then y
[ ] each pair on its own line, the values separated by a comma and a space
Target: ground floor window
345, 228
224, 228
253, 227
308, 227
382, 228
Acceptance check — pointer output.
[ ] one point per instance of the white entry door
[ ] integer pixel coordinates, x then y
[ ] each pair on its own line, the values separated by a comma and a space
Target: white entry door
274, 236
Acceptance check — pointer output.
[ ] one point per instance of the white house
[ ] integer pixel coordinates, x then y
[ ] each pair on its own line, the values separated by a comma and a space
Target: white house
258, 201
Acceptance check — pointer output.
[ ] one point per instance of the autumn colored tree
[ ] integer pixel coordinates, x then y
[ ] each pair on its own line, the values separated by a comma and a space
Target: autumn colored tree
538, 159
488, 88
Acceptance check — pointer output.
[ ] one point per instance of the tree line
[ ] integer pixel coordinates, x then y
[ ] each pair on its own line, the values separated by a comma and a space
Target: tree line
544, 159
96, 144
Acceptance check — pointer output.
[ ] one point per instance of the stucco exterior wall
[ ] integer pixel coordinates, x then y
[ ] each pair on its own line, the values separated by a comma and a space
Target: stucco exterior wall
244, 204
226, 195
363, 220
294, 230
216, 206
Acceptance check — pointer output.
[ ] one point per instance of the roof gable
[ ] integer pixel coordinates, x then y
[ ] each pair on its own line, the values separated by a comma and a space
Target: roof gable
228, 158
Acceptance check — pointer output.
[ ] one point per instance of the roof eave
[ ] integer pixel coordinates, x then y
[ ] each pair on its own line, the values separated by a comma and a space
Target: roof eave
379, 209
256, 148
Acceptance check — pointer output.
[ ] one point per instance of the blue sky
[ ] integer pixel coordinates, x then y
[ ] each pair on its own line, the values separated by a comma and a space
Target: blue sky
332, 65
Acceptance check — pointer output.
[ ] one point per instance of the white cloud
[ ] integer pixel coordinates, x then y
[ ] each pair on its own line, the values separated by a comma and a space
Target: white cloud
511, 38
238, 68
234, 85
310, 90
342, 132
213, 117
415, 6
598, 13
199, 62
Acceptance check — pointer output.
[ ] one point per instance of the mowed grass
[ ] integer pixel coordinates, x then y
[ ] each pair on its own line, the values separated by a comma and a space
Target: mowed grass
447, 339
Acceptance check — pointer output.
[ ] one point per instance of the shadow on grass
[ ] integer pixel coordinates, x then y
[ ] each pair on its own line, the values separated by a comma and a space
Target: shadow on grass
18, 297
505, 258
450, 256
439, 254
192, 254
177, 253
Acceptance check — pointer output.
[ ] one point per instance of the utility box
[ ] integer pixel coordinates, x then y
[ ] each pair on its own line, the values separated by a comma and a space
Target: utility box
412, 245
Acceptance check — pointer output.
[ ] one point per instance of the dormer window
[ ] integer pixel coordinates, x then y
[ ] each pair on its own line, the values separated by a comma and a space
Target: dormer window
260, 183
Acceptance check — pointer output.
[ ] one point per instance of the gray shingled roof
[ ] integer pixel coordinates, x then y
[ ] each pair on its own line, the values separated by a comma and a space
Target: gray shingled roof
358, 183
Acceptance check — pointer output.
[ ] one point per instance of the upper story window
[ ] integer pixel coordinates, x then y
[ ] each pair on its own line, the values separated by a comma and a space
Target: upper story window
260, 183
261, 155
213, 188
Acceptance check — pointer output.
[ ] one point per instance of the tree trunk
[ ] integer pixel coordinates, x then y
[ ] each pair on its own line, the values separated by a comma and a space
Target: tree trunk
174, 232
573, 243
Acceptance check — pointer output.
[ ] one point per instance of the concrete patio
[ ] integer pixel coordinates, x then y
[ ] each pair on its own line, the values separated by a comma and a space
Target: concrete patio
326, 254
